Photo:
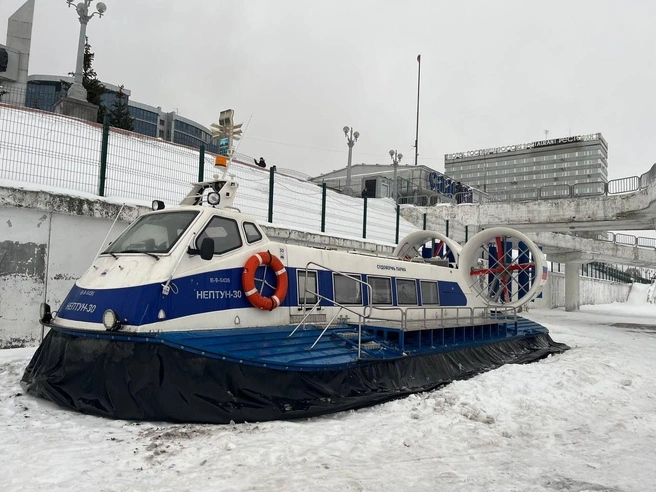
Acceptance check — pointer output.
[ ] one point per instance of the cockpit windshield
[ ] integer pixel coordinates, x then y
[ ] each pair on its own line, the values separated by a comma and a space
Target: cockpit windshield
154, 233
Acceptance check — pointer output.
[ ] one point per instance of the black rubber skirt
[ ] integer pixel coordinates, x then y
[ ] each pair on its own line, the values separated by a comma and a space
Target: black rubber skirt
152, 381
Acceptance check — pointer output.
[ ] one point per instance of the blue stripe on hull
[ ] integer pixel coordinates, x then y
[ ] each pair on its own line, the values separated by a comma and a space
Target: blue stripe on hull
202, 293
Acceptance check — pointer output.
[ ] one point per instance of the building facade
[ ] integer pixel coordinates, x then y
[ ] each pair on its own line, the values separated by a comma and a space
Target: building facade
43, 91
419, 185
575, 165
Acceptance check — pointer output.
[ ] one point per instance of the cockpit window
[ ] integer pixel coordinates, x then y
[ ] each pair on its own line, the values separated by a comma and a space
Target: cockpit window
154, 233
252, 233
225, 233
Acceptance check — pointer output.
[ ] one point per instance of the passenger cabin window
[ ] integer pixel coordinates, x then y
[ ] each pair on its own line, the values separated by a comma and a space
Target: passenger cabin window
252, 232
406, 292
225, 233
429, 293
307, 279
381, 290
347, 289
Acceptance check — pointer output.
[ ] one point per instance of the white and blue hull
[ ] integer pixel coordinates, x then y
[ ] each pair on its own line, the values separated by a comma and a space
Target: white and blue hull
187, 343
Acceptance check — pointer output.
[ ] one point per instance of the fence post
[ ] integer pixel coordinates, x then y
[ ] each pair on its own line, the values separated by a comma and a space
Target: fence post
103, 155
466, 233
271, 174
447, 227
398, 214
425, 221
201, 164
323, 207
364, 220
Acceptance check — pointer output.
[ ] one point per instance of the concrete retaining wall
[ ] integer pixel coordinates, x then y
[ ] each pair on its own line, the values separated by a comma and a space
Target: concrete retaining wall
592, 291
48, 240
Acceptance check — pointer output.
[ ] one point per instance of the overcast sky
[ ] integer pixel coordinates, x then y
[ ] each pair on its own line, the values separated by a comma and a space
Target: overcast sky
492, 73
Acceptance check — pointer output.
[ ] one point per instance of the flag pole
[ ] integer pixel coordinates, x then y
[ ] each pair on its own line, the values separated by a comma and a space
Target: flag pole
417, 130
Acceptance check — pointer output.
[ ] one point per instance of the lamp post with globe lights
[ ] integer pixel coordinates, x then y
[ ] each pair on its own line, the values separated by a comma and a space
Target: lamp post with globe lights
351, 138
396, 158
77, 90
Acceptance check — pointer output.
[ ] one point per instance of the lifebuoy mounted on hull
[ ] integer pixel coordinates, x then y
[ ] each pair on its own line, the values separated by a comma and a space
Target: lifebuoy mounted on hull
248, 281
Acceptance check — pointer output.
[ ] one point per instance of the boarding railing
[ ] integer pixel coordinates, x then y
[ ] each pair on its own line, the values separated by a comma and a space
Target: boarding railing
443, 316
437, 317
361, 316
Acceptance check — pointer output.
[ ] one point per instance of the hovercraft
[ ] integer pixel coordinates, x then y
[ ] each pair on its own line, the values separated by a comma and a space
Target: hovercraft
193, 315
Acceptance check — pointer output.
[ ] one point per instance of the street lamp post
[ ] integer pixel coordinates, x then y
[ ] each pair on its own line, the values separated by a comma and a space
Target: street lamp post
396, 158
351, 138
77, 90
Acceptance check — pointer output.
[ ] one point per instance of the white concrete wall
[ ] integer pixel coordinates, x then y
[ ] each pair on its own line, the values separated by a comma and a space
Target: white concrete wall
592, 291
41, 256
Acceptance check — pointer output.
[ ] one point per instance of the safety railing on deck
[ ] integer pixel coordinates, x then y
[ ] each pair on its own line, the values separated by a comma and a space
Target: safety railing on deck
431, 318
442, 316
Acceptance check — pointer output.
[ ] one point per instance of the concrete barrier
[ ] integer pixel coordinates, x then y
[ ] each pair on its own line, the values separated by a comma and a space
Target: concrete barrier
592, 291
47, 241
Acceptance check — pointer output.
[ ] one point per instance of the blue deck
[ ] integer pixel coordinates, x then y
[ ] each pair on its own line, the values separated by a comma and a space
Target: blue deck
337, 349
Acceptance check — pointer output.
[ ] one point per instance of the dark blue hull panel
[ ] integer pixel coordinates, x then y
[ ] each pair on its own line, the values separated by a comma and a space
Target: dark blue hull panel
190, 377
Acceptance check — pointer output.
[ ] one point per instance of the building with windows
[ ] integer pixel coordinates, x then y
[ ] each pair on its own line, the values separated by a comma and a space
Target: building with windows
186, 132
43, 91
148, 120
553, 167
419, 185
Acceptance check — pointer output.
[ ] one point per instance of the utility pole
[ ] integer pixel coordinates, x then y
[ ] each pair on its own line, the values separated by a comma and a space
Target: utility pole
351, 138
396, 158
417, 127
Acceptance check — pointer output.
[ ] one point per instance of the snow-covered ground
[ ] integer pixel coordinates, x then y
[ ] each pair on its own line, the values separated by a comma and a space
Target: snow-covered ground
581, 421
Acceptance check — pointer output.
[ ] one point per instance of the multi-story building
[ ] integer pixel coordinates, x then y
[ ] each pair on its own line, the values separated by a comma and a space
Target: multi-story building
43, 91
553, 167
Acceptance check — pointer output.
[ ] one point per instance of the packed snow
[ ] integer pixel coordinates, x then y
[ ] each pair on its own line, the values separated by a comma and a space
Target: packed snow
584, 420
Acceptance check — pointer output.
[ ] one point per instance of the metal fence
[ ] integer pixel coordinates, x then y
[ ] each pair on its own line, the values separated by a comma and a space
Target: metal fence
51, 150
610, 272
578, 190
43, 148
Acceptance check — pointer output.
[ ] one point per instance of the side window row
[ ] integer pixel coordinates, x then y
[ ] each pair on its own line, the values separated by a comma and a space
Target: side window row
225, 233
348, 290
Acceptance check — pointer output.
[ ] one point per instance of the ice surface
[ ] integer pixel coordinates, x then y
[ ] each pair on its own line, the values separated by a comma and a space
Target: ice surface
581, 421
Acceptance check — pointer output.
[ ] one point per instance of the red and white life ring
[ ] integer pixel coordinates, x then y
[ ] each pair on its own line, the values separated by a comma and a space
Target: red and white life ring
248, 281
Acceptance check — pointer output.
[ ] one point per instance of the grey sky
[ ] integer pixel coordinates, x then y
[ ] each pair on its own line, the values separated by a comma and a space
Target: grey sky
493, 73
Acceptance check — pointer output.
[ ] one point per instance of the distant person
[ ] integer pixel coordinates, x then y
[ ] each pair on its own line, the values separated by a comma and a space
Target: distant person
261, 163
364, 193
458, 192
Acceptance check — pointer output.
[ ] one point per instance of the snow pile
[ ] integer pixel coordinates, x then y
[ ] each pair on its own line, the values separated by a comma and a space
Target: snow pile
583, 420
651, 293
639, 295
